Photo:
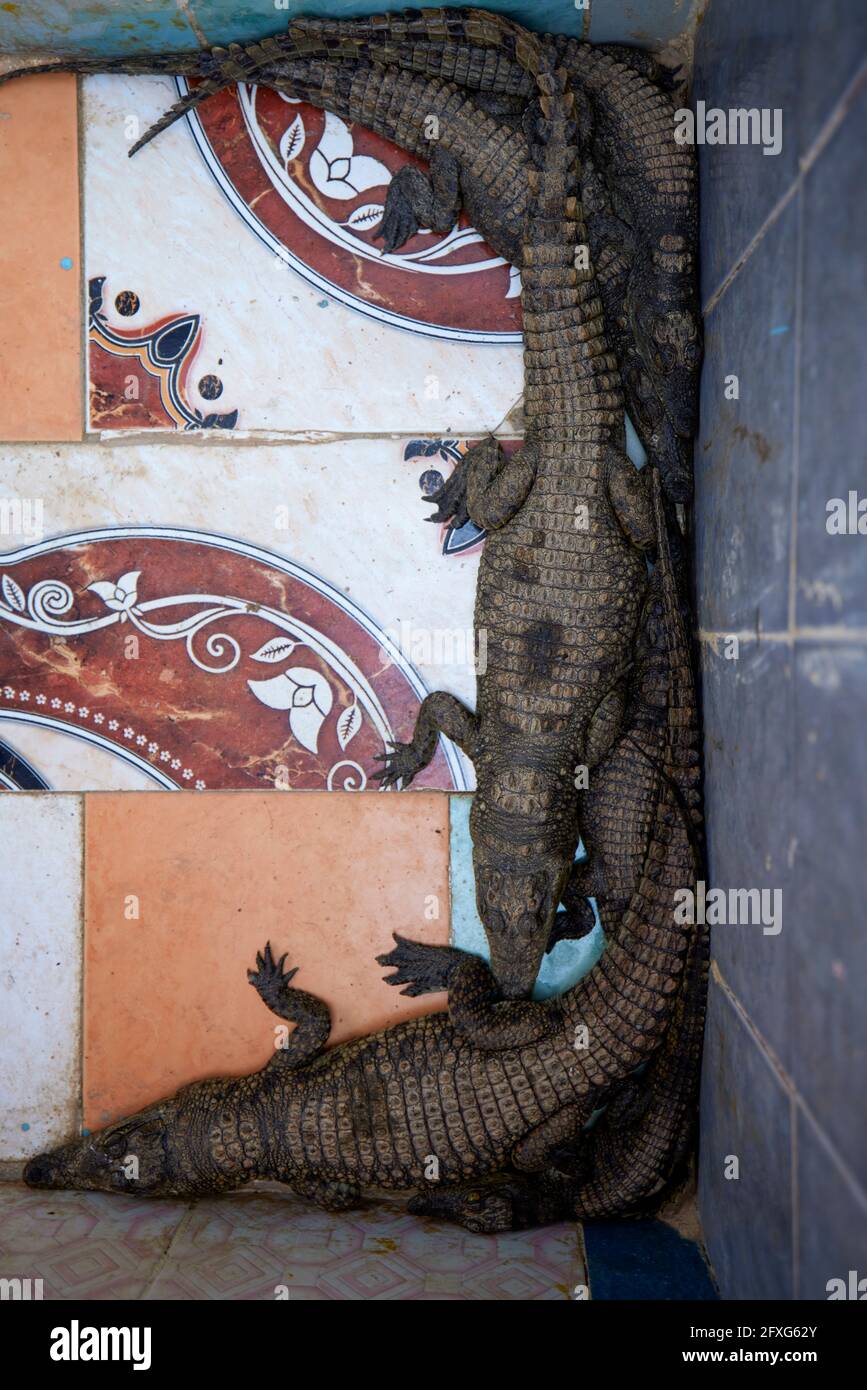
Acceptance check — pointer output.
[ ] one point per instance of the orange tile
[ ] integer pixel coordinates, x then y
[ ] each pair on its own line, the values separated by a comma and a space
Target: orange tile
326, 876
41, 326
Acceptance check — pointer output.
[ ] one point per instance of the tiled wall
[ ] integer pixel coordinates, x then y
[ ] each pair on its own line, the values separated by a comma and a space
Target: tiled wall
786, 757
219, 406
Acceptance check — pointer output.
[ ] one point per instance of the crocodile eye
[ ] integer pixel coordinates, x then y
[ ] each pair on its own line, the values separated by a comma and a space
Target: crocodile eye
474, 1196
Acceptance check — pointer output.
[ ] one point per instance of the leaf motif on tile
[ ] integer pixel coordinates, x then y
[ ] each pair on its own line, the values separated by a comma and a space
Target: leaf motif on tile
275, 650
348, 725
13, 593
292, 140
365, 217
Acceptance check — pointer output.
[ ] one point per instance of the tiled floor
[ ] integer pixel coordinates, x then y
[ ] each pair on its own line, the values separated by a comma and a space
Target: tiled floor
265, 1245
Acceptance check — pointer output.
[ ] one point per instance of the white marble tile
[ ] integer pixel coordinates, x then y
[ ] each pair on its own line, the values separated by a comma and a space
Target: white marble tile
290, 356
40, 970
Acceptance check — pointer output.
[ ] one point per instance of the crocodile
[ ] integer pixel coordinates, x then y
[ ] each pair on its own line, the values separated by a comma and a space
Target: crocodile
632, 1157
560, 583
477, 1112
641, 235
651, 212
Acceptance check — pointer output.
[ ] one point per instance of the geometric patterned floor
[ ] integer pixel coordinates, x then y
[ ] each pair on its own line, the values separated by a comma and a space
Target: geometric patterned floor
264, 1245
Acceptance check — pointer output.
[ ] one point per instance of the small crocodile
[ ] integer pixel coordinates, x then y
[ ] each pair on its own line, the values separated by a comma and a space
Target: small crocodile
650, 212
560, 583
641, 229
630, 1158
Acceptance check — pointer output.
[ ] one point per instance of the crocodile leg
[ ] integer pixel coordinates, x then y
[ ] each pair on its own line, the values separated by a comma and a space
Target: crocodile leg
415, 199
439, 713
311, 1015
576, 918
497, 484
476, 1008
535, 1150
516, 1202
629, 495
329, 1195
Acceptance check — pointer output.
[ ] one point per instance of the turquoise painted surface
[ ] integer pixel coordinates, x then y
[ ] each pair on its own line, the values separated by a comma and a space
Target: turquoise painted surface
568, 961
140, 26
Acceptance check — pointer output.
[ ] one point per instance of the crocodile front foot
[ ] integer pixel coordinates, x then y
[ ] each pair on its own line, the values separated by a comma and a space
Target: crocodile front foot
424, 968
327, 1194
451, 498
400, 764
270, 980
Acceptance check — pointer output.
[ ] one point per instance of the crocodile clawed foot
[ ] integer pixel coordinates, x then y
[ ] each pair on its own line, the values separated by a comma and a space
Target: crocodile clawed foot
399, 222
269, 978
422, 967
400, 764
451, 499
572, 923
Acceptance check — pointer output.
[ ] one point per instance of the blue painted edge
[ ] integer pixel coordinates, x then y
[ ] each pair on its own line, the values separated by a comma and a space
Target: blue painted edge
645, 1261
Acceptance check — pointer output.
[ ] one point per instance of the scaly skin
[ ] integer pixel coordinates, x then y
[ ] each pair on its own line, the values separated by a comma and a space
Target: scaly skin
630, 1159
560, 584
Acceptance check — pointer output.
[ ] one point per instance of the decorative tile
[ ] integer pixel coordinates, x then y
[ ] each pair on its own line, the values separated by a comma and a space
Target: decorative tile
743, 460
253, 1246
745, 1116
638, 1260
40, 350
84, 1245
238, 219
563, 967
40, 970
183, 891
220, 618
832, 568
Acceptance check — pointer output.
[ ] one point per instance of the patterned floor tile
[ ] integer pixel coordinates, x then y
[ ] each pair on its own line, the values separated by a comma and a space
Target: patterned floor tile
84, 1245
253, 1246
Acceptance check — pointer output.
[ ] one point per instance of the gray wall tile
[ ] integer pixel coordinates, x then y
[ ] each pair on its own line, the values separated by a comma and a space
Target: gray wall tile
744, 1112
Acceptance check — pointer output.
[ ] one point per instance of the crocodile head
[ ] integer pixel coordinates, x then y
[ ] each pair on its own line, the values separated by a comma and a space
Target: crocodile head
669, 341
194, 1142
517, 906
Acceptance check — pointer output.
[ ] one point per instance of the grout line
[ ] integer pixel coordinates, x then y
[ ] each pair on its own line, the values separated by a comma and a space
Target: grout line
184, 7
789, 1086
772, 217
826, 134
796, 417
84, 341
852, 635
82, 920
164, 1257
795, 1200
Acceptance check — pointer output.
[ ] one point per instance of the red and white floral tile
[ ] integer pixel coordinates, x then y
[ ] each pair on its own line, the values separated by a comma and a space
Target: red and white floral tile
249, 233
215, 614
